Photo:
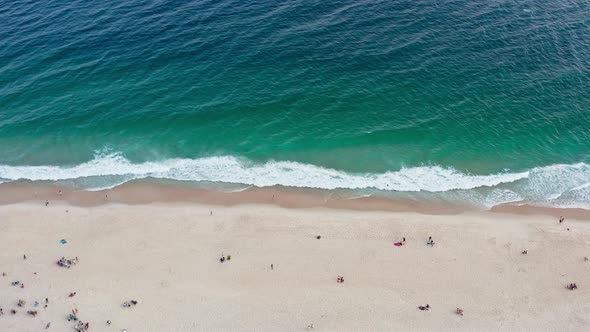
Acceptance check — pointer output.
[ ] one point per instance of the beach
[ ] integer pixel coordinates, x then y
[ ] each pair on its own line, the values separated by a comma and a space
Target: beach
166, 256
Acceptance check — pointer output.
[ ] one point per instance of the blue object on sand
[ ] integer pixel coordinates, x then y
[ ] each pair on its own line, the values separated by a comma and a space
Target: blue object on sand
63, 241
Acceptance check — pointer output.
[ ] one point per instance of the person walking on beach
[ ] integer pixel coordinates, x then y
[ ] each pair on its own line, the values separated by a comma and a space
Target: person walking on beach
271, 267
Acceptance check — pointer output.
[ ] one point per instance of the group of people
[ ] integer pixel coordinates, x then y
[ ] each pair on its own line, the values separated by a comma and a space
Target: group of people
68, 263
430, 242
400, 243
572, 286
128, 304
80, 326
340, 279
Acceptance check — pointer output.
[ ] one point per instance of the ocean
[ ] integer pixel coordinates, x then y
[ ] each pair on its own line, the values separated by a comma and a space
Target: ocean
473, 102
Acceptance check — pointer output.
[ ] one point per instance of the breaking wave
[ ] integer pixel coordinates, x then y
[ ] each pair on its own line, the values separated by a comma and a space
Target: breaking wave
562, 184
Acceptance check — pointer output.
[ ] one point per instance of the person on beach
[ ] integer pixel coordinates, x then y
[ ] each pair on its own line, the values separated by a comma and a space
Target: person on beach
459, 312
427, 307
271, 266
561, 219
340, 279
430, 242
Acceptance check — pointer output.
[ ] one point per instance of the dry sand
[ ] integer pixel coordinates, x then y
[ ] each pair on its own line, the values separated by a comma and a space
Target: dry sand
166, 256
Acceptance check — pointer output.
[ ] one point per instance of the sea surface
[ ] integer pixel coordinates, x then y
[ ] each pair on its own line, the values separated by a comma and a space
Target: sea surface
477, 102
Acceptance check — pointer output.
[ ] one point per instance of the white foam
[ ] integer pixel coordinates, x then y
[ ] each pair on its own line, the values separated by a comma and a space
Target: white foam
538, 184
232, 170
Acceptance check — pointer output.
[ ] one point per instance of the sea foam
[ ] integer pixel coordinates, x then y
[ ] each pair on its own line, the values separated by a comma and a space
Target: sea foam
542, 184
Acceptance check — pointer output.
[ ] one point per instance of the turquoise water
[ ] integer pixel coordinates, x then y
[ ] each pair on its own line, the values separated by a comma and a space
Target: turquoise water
482, 103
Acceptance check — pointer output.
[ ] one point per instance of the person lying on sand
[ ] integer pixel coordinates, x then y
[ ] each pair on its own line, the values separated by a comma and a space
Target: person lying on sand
525, 252
427, 307
459, 312
32, 313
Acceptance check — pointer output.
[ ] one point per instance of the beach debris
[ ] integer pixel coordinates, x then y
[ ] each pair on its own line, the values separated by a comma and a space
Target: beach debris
585, 259
32, 313
63, 241
228, 257
272, 266
21, 303
459, 311
130, 303
67, 263
340, 279
423, 308
572, 286
4, 274
524, 252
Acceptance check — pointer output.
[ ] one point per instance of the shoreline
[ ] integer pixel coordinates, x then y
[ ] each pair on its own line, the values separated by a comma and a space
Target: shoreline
139, 193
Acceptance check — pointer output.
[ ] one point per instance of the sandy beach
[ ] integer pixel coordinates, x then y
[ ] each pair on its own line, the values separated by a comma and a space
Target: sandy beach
166, 256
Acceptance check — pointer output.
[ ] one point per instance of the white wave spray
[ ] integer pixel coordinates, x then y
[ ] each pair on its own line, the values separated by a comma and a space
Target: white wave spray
543, 184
